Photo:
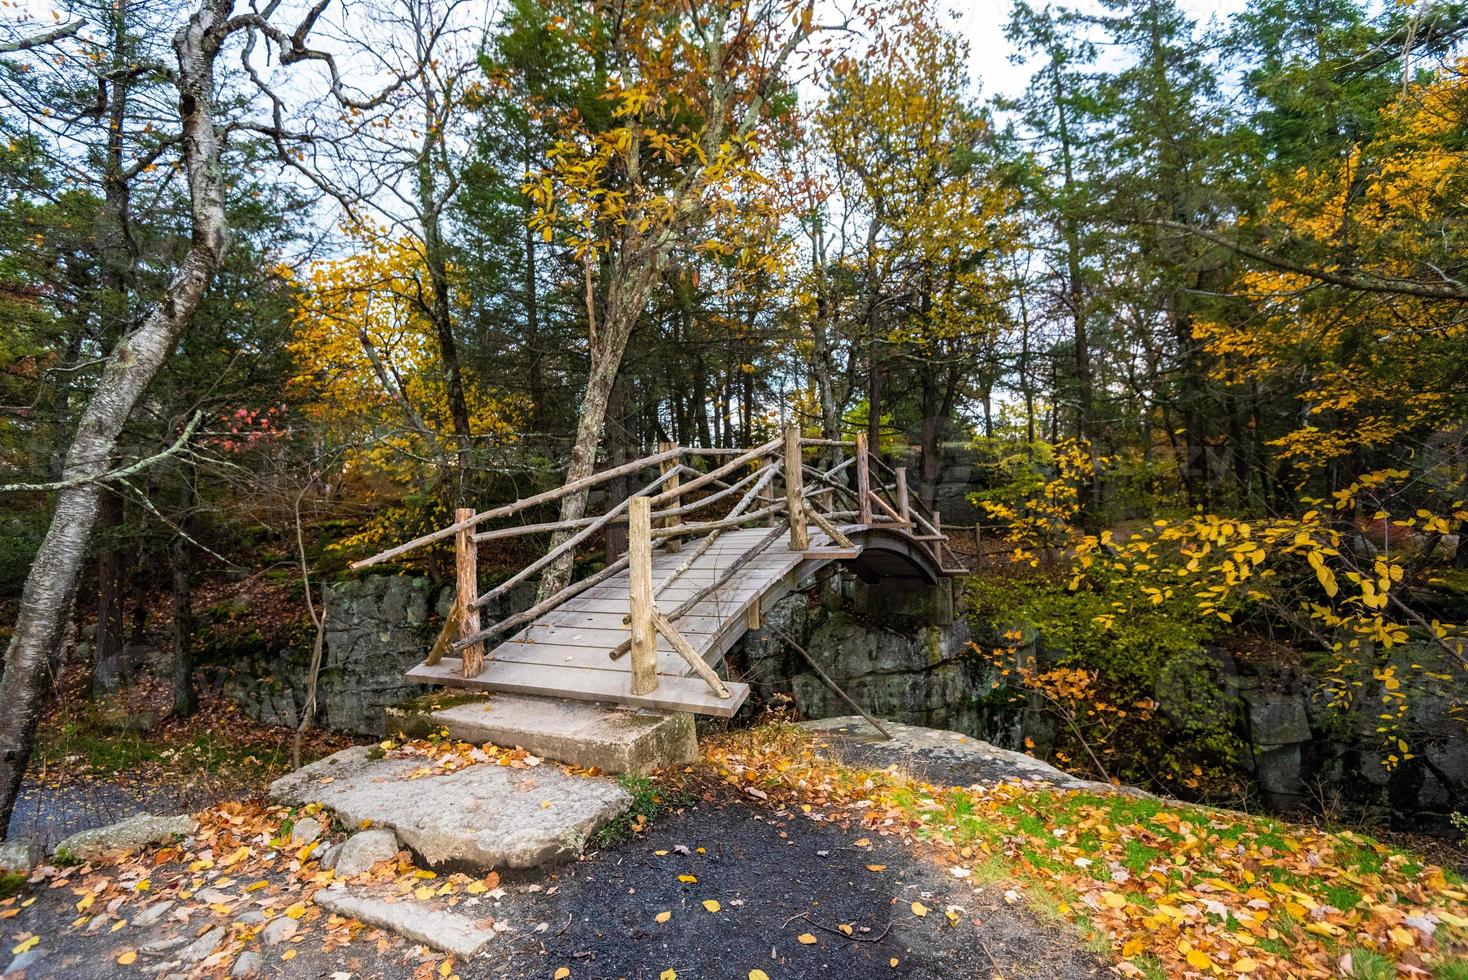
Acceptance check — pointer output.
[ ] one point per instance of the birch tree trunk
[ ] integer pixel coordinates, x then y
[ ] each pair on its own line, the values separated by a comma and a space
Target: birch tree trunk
130, 369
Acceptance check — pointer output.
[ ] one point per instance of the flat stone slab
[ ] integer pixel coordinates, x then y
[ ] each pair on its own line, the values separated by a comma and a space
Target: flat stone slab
447, 932
133, 834
482, 816
581, 733
942, 757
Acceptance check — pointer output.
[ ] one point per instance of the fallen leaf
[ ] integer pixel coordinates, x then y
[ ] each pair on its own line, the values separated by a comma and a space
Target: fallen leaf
128, 957
876, 867
562, 972
919, 909
662, 916
711, 904
688, 879
806, 939
26, 945
758, 974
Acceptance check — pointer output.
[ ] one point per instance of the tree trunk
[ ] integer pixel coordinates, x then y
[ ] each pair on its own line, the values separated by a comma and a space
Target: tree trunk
130, 369
631, 278
185, 700
108, 642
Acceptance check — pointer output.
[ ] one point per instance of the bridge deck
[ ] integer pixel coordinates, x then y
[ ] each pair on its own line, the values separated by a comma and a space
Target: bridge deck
566, 652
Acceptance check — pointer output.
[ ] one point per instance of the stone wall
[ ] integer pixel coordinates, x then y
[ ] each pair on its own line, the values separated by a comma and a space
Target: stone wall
377, 627
899, 651
896, 648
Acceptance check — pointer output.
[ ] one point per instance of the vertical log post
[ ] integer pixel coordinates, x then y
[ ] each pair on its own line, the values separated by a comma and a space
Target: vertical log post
795, 490
639, 596
466, 579
671, 544
863, 481
978, 546
903, 507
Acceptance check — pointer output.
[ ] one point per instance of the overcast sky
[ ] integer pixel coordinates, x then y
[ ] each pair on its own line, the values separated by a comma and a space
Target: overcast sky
982, 22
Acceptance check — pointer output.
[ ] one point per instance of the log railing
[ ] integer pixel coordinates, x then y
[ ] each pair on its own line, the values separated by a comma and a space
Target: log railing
854, 490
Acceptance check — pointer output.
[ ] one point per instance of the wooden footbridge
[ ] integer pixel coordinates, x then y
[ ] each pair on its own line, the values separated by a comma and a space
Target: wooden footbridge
651, 628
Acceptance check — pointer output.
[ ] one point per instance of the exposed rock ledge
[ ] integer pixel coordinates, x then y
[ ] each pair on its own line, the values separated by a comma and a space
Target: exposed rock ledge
943, 757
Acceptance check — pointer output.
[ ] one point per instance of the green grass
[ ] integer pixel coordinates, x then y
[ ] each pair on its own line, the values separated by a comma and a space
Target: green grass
1367, 964
1453, 969
648, 800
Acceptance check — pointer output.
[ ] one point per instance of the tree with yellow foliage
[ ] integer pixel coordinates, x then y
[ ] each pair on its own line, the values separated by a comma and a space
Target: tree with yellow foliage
691, 90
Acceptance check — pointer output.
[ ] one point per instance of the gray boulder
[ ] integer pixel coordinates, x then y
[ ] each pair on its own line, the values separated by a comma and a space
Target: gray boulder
362, 850
132, 834
246, 965
19, 856
305, 830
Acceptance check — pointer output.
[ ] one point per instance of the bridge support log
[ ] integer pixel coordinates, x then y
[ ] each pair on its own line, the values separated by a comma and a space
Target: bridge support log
466, 579
639, 597
863, 480
795, 490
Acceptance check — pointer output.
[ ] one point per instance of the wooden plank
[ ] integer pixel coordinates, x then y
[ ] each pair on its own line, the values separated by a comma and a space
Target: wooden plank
669, 664
674, 694
639, 597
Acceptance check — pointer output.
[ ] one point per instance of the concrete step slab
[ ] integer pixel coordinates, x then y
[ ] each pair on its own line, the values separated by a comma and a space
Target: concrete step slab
481, 817
588, 734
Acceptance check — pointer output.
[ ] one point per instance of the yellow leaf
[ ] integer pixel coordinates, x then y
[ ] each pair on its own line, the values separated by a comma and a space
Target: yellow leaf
562, 972
296, 911
1113, 900
876, 867
1246, 964
919, 909
668, 974
711, 904
1199, 960
476, 888
446, 967
86, 902
758, 974
662, 916
239, 855
1132, 947
289, 954
128, 957
846, 929
688, 879
423, 893
26, 945
806, 939
118, 925
892, 962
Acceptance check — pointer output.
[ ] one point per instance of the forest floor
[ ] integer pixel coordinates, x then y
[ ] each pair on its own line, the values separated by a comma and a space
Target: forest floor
770, 857
96, 763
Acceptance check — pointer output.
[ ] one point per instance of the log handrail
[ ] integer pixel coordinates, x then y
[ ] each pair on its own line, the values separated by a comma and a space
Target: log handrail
655, 516
514, 508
